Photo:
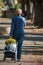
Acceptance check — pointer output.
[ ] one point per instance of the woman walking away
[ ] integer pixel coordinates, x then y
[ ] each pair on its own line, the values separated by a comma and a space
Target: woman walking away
17, 31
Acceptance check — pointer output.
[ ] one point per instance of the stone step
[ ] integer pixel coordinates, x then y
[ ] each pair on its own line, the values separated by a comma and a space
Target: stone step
30, 49
27, 29
27, 45
6, 30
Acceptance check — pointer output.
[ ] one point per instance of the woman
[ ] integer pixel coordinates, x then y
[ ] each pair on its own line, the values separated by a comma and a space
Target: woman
17, 32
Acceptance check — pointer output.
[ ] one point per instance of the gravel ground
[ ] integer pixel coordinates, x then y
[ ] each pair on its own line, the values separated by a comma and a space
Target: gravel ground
25, 60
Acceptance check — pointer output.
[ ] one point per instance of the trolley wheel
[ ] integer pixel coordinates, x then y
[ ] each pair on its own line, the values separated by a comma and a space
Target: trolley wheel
4, 58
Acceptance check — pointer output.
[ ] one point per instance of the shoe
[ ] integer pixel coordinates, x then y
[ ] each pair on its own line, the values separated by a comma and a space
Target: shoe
18, 60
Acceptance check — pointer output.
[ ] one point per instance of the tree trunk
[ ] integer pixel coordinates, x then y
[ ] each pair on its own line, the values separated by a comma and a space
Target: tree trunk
26, 8
38, 19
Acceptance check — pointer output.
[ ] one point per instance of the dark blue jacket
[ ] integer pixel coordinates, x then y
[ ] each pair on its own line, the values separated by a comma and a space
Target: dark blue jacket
17, 25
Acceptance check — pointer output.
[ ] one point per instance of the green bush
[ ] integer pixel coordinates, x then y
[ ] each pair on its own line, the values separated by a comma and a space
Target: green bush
1, 13
15, 6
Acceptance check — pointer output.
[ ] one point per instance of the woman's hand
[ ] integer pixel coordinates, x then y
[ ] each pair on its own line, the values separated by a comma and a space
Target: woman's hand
10, 37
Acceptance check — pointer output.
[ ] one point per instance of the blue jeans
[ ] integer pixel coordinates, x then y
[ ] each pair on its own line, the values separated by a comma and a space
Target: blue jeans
19, 37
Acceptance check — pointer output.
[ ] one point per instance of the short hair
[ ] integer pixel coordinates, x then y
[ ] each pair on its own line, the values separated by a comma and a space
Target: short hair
18, 11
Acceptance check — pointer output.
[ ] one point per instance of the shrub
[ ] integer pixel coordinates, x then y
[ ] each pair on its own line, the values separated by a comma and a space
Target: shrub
1, 13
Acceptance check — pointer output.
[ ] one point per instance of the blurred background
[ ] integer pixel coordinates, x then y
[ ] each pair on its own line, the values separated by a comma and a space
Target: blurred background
32, 9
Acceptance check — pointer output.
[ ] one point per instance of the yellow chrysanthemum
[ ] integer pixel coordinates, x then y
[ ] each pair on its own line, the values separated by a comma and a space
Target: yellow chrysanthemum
9, 41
